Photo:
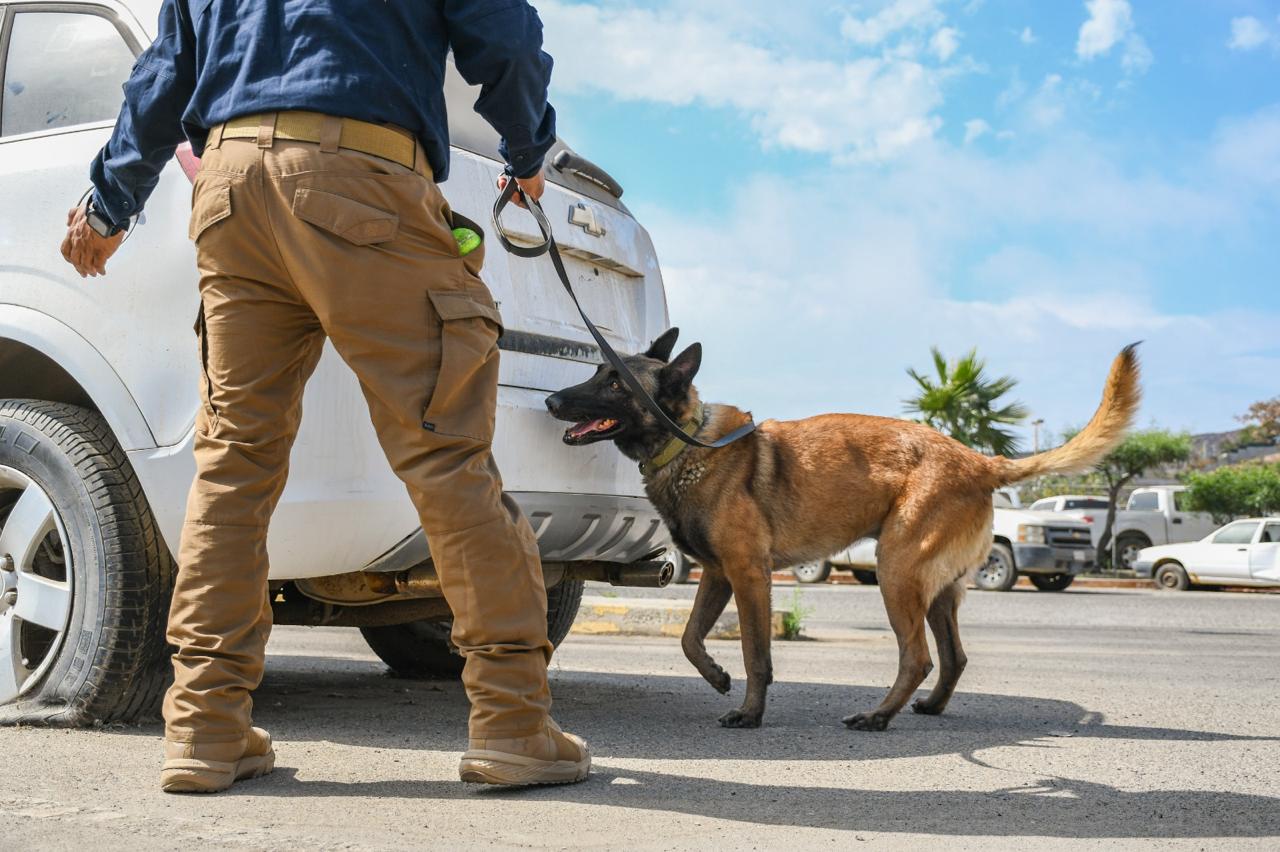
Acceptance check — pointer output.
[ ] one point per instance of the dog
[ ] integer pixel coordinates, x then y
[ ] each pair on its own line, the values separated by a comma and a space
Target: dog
795, 491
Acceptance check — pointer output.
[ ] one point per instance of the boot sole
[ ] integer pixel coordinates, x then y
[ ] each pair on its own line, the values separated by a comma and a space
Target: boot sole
192, 779
506, 770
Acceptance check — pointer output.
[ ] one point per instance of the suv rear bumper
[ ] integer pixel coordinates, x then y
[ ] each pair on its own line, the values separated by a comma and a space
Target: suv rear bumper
569, 527
1043, 559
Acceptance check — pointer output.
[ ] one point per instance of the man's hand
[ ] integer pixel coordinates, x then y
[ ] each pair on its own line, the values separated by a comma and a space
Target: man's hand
84, 248
530, 186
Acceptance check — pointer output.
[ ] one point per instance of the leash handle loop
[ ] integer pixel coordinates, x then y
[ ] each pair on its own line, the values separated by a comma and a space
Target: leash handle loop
549, 247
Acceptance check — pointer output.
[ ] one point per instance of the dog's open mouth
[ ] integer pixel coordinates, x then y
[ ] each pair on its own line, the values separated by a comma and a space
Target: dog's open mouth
592, 430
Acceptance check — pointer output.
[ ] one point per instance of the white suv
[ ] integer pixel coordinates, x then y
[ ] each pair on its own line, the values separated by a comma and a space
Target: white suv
98, 396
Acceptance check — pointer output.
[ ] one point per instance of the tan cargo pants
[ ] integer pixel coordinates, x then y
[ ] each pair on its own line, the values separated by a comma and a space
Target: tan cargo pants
296, 244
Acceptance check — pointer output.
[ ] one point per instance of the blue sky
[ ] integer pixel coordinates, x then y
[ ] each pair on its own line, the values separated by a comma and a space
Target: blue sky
834, 187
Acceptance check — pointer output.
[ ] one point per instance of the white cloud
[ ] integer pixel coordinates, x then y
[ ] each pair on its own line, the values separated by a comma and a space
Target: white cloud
975, 128
898, 15
1027, 36
864, 108
1110, 22
1137, 57
833, 294
1247, 33
944, 43
1248, 149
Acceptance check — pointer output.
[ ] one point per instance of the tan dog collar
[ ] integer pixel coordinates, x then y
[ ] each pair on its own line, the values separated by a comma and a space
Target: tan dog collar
675, 446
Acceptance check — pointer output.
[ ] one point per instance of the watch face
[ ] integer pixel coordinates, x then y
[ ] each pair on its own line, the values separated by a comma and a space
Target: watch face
100, 225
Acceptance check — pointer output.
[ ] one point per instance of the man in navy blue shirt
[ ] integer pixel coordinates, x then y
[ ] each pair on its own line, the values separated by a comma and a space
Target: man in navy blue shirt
317, 215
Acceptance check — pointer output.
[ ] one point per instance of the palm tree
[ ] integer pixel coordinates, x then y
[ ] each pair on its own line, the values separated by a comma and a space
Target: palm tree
961, 403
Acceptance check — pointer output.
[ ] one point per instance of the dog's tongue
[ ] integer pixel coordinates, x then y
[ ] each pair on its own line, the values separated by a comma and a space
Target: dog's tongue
591, 426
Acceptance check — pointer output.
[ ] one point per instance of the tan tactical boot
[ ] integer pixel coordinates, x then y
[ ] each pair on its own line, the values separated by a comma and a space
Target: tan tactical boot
212, 767
550, 757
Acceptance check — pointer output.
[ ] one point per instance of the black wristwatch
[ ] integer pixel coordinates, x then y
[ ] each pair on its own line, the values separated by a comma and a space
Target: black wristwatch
100, 223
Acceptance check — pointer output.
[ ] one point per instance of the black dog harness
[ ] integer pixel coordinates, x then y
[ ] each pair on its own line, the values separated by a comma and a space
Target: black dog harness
549, 247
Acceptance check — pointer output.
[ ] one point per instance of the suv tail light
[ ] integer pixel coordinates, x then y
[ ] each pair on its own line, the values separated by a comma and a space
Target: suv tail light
188, 160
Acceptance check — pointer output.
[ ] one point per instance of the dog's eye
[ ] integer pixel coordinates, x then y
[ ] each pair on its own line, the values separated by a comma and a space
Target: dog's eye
615, 385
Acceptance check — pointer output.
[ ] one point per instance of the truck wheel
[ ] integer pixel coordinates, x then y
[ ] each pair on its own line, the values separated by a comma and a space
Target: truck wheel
1051, 582
999, 573
85, 578
866, 576
1172, 577
812, 572
1127, 547
422, 649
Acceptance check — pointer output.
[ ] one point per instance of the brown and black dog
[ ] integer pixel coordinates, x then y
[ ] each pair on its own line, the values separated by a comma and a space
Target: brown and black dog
796, 491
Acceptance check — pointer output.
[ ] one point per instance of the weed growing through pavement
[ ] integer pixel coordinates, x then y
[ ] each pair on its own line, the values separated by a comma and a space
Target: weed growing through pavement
793, 618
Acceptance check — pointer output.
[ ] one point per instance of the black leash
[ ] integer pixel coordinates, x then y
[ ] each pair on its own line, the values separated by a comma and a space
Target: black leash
549, 247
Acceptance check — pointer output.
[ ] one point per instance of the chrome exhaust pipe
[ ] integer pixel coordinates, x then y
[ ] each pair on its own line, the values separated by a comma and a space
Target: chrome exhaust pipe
653, 574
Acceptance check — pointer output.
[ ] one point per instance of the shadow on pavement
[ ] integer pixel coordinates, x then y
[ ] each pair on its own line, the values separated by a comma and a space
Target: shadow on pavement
673, 718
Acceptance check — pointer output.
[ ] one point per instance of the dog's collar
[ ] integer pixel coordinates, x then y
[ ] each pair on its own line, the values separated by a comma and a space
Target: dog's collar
675, 446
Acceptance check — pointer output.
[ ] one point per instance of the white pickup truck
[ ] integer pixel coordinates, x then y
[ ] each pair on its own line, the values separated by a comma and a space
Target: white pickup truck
1154, 515
1050, 548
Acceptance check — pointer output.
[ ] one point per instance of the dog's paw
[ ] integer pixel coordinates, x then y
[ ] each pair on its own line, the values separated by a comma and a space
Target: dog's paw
867, 721
925, 708
719, 679
739, 719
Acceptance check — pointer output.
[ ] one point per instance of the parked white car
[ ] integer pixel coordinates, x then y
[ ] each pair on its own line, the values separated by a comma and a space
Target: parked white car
1243, 553
98, 397
1153, 515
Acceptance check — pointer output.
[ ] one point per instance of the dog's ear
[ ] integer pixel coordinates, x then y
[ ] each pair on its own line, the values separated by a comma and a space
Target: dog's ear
677, 376
660, 349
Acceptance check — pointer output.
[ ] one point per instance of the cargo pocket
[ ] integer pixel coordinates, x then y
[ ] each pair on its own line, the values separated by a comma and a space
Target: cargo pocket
210, 204
465, 394
347, 218
206, 383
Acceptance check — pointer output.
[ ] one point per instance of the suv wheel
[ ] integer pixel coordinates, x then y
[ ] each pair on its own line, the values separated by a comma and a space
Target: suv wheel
812, 572
866, 576
1000, 572
422, 649
85, 578
1172, 577
1052, 582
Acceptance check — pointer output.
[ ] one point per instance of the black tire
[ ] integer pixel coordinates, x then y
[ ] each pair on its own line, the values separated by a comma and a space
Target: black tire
1000, 571
866, 576
1172, 577
1127, 547
812, 572
119, 579
1051, 582
421, 650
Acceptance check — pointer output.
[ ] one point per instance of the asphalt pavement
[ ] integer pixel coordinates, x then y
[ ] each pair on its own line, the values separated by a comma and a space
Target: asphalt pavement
1086, 718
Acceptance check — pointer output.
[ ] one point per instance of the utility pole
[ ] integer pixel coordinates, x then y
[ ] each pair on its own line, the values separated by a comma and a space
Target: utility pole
1035, 441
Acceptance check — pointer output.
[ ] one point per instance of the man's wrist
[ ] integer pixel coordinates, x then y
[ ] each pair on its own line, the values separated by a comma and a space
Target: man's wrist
99, 220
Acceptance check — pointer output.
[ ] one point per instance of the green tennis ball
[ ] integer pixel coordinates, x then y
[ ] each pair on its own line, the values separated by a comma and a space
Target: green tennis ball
468, 240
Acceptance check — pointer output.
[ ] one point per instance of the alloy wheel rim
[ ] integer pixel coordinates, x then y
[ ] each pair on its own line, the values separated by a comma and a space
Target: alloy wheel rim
994, 570
35, 583
1128, 553
809, 570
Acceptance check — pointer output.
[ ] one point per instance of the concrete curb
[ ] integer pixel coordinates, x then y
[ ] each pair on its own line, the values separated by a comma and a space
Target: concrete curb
605, 616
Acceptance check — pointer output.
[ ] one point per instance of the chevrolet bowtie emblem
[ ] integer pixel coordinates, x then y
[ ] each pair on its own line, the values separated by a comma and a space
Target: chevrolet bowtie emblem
585, 218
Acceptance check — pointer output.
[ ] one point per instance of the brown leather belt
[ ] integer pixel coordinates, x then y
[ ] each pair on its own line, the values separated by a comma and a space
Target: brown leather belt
329, 132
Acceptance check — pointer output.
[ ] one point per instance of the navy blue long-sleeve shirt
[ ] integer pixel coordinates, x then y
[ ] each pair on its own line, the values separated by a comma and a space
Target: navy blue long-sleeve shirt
374, 60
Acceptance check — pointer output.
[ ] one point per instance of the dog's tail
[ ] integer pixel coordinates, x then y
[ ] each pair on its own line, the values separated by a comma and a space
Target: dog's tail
1105, 431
